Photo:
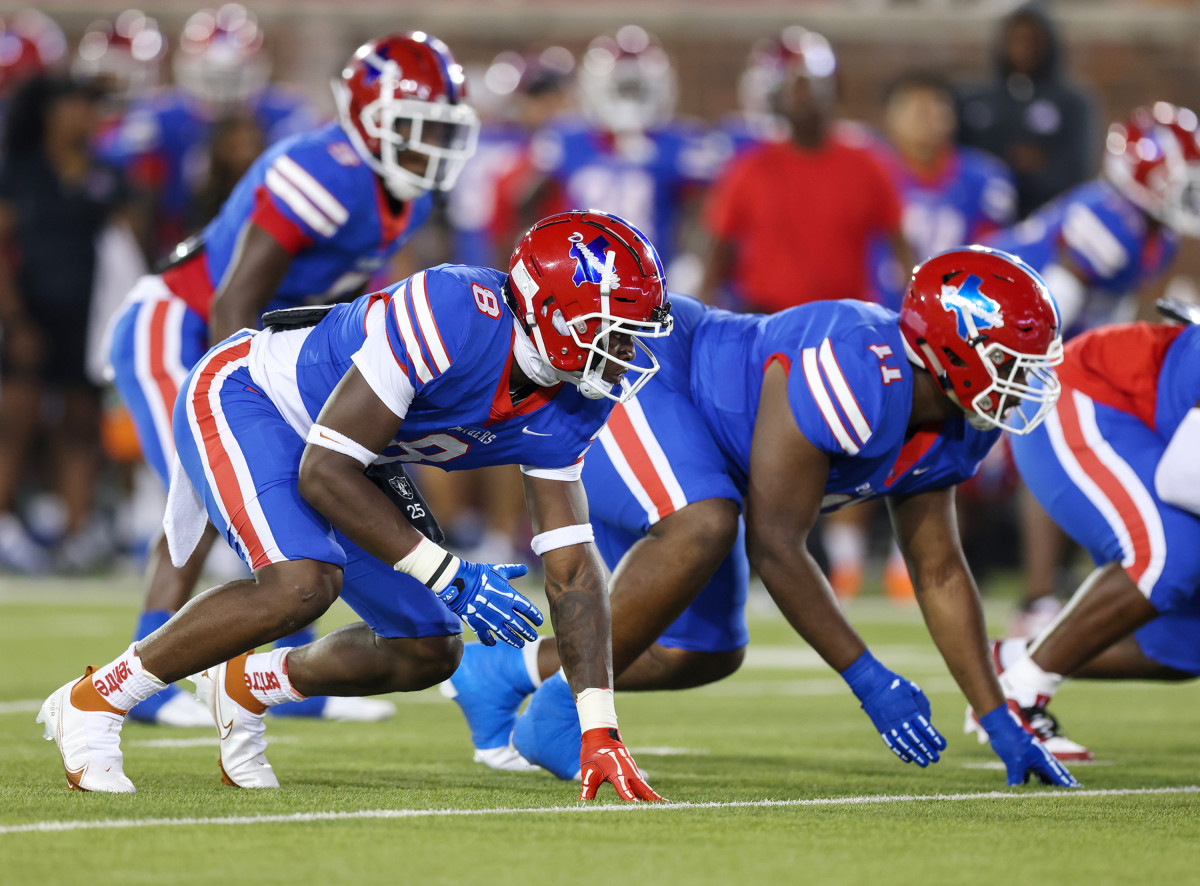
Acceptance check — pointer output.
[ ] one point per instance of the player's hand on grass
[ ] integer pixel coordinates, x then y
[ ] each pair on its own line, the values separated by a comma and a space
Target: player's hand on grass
898, 708
480, 594
604, 757
1022, 753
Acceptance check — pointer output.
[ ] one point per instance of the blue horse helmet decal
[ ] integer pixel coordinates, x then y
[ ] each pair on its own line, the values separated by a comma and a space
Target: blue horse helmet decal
975, 310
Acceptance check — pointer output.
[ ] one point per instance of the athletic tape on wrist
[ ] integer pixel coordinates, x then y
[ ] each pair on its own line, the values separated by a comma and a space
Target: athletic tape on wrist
328, 438
596, 709
427, 563
563, 537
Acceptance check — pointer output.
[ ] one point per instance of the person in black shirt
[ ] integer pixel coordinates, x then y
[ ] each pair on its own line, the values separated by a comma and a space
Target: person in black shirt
1030, 114
55, 199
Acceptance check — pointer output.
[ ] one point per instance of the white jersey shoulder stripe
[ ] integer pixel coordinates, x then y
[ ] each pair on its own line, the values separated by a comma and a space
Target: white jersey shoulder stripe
429, 330
312, 189
299, 204
404, 322
1087, 234
816, 385
841, 390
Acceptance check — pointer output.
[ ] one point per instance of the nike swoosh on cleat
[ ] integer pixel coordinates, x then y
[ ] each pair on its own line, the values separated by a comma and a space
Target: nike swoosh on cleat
74, 777
534, 433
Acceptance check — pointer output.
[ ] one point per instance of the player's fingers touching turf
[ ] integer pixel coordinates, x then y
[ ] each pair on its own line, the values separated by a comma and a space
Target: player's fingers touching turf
1048, 769
604, 758
1022, 753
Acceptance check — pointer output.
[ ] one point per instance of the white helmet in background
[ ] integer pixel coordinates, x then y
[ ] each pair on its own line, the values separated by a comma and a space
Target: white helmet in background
627, 82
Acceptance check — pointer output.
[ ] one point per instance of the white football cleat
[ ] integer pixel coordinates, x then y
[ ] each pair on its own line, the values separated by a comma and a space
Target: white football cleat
243, 733
88, 741
183, 711
505, 759
357, 710
1036, 720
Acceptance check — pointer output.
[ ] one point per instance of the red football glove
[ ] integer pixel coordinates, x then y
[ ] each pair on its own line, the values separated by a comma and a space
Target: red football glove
603, 757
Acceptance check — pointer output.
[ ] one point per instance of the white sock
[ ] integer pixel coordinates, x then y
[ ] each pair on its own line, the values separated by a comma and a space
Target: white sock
123, 682
267, 677
1013, 650
1028, 684
845, 545
530, 652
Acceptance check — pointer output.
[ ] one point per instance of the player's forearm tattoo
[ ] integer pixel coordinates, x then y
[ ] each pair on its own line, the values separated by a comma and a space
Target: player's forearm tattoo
579, 611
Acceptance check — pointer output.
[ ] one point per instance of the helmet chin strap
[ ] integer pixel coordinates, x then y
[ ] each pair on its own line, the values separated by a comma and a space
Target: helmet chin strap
531, 361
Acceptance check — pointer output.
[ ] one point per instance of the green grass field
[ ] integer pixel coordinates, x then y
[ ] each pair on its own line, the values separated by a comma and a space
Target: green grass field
775, 773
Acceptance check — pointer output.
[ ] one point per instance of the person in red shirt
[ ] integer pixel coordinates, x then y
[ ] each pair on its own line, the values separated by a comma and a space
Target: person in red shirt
791, 221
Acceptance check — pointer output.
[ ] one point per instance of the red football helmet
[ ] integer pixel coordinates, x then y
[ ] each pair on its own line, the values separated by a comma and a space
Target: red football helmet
124, 56
627, 81
405, 93
795, 52
220, 59
985, 325
577, 278
1154, 160
30, 43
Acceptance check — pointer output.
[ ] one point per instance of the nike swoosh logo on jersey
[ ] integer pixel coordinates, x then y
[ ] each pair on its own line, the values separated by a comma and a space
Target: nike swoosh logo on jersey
917, 471
534, 433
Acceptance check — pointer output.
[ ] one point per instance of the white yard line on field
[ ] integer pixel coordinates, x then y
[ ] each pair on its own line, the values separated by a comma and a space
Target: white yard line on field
367, 814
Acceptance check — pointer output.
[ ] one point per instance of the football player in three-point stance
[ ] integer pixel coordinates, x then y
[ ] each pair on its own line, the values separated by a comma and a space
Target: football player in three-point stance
459, 367
314, 218
1115, 466
787, 416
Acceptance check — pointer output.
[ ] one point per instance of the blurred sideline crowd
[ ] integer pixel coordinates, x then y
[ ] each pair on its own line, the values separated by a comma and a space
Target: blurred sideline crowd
107, 164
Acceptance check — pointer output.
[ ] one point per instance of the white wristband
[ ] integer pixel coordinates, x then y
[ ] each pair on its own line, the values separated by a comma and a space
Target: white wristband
596, 709
429, 564
319, 435
563, 537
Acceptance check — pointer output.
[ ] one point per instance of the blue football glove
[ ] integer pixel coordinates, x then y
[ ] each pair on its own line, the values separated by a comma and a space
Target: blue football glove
1023, 755
898, 708
481, 596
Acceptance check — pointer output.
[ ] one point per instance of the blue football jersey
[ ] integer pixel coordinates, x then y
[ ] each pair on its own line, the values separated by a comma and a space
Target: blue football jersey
971, 195
313, 192
437, 349
639, 178
162, 144
850, 390
472, 206
1105, 236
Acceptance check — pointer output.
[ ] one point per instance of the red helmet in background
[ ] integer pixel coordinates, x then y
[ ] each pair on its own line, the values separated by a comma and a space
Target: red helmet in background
575, 279
796, 51
985, 325
30, 43
627, 81
220, 59
124, 56
406, 93
1154, 160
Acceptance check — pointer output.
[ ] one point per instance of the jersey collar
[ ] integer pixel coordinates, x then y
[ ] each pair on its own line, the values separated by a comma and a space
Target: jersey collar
392, 224
502, 406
